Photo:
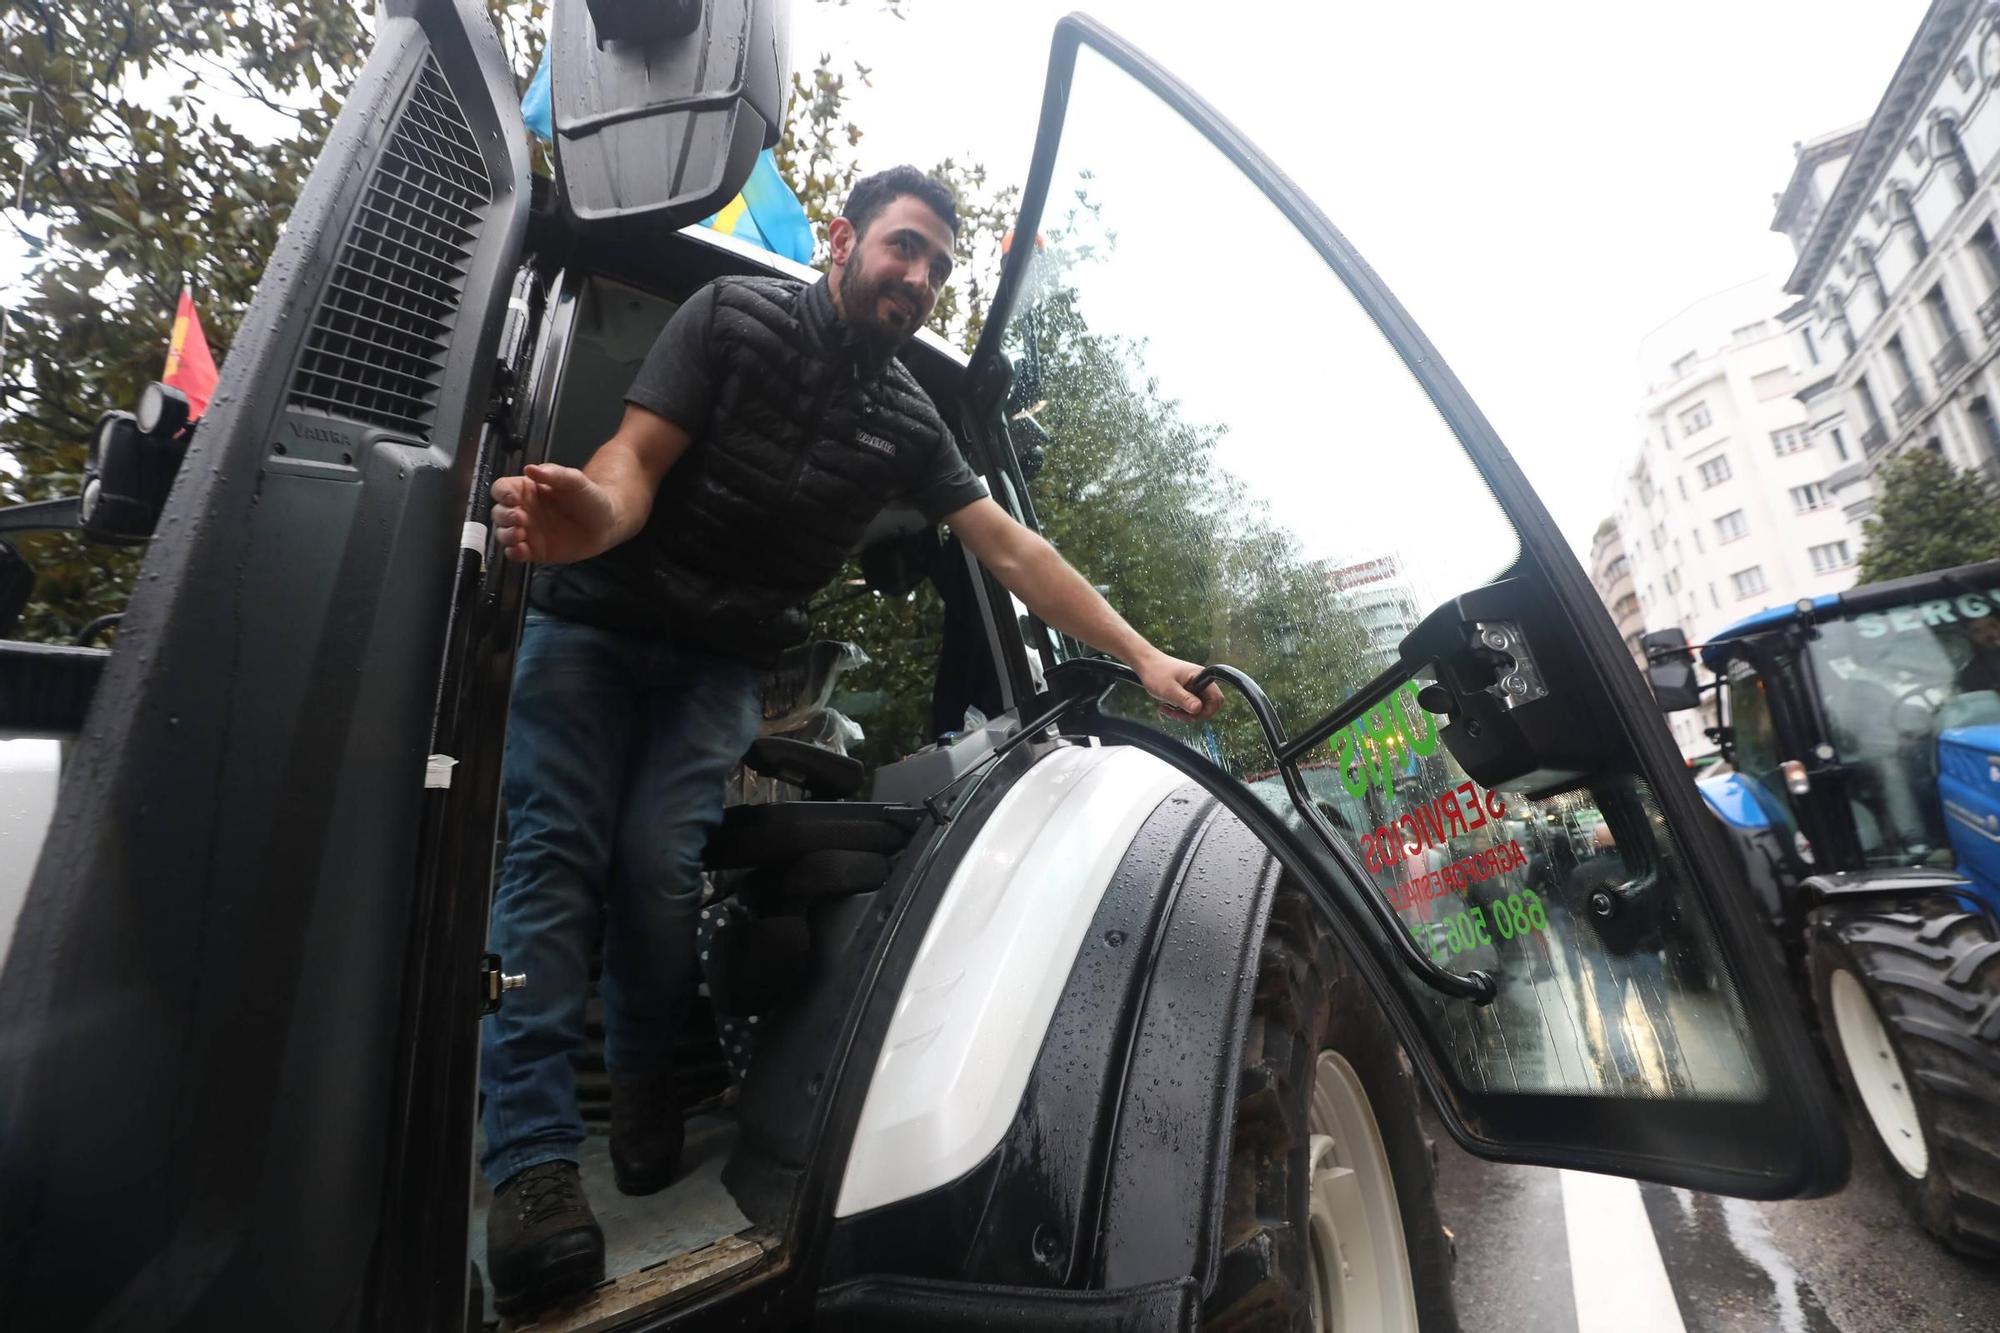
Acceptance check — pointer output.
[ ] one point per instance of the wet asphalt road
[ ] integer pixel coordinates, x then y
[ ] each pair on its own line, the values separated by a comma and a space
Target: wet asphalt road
1850, 1263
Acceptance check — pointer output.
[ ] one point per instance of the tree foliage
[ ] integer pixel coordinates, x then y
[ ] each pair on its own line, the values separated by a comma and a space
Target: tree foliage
139, 169
1929, 515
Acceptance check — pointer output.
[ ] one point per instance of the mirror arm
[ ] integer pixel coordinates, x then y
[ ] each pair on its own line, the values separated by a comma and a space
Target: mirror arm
41, 516
1476, 986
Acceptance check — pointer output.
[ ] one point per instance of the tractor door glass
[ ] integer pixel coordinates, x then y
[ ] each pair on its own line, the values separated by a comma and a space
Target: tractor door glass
1755, 738
1233, 451
1891, 681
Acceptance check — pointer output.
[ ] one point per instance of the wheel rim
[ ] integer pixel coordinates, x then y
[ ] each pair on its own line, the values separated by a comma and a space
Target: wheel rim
1361, 1268
1878, 1074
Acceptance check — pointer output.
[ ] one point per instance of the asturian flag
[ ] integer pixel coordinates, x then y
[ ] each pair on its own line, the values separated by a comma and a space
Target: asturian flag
190, 368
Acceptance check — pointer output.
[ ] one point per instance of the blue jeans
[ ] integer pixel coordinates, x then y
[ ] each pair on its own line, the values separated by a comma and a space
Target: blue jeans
618, 752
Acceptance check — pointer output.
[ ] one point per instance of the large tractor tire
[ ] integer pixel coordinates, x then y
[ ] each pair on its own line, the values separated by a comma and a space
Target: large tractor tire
1331, 1224
1909, 999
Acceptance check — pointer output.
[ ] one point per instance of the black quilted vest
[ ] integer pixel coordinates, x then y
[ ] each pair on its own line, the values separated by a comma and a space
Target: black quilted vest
809, 437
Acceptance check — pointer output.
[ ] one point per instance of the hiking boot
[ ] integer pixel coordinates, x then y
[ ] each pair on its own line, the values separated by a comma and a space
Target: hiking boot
646, 1133
542, 1242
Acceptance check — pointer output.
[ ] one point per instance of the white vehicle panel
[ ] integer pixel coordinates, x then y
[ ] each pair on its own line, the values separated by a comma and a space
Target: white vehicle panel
983, 991
29, 769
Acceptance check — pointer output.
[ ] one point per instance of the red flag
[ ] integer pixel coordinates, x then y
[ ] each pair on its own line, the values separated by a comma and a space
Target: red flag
189, 366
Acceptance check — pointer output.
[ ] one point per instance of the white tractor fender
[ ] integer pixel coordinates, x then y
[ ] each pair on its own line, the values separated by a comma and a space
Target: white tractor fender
29, 771
978, 1001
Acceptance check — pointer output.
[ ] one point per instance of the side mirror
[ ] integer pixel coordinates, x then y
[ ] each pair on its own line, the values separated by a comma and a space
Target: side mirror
1670, 670
661, 107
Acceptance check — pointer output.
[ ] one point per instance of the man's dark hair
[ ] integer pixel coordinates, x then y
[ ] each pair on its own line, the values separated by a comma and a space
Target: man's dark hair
872, 194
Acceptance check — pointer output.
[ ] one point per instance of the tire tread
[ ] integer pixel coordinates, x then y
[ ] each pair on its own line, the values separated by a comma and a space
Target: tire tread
1932, 970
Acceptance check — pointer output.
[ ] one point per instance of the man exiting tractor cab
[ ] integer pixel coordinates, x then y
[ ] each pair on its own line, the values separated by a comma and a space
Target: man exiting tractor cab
770, 423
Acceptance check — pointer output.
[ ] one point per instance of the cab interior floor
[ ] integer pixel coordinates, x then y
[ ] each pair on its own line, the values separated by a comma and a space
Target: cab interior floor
693, 1213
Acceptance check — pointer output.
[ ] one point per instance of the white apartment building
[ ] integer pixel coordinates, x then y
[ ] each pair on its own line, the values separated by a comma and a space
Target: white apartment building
1724, 510
1897, 320
1377, 591
1611, 574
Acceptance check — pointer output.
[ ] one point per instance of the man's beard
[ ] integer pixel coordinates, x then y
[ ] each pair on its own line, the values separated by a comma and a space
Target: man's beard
859, 299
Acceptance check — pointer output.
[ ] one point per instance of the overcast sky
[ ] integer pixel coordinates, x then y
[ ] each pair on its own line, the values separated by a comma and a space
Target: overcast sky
1541, 184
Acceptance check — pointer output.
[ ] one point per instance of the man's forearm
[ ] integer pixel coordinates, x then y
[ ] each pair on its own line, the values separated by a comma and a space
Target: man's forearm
617, 469
1053, 590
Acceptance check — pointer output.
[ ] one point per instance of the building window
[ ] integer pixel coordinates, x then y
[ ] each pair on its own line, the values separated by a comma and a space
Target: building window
1749, 582
1830, 556
1699, 548
1987, 247
1617, 569
1901, 214
1836, 314
1627, 605
1684, 366
1899, 357
1682, 483
1951, 347
1749, 333
1809, 497
1732, 526
1986, 425
1871, 412
1659, 535
1714, 602
1864, 260
1695, 418
1948, 147
1790, 440
1812, 346
1672, 581
1715, 471
1839, 443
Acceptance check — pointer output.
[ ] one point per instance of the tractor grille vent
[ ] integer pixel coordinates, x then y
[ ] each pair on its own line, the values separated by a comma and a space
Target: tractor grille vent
376, 348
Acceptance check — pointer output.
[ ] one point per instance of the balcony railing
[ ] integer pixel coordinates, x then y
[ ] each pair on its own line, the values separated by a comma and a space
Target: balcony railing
1950, 357
1874, 438
1906, 402
1989, 314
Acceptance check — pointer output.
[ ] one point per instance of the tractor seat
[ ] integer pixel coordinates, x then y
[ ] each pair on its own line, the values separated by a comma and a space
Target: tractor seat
779, 865
780, 833
824, 774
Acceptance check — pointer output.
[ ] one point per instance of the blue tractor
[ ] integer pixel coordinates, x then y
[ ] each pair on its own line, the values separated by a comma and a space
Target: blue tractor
1861, 787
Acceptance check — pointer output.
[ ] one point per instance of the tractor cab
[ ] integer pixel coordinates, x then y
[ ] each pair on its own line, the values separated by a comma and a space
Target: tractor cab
1863, 734
1853, 722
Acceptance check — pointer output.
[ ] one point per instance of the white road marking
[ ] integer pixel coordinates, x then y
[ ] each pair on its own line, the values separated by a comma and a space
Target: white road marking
1754, 1242
1619, 1280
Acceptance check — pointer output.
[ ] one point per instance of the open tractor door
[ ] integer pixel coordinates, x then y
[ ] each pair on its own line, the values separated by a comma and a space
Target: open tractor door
1125, 1028
1436, 729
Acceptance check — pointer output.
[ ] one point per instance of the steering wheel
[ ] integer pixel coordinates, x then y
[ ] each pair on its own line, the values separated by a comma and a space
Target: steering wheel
1915, 707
